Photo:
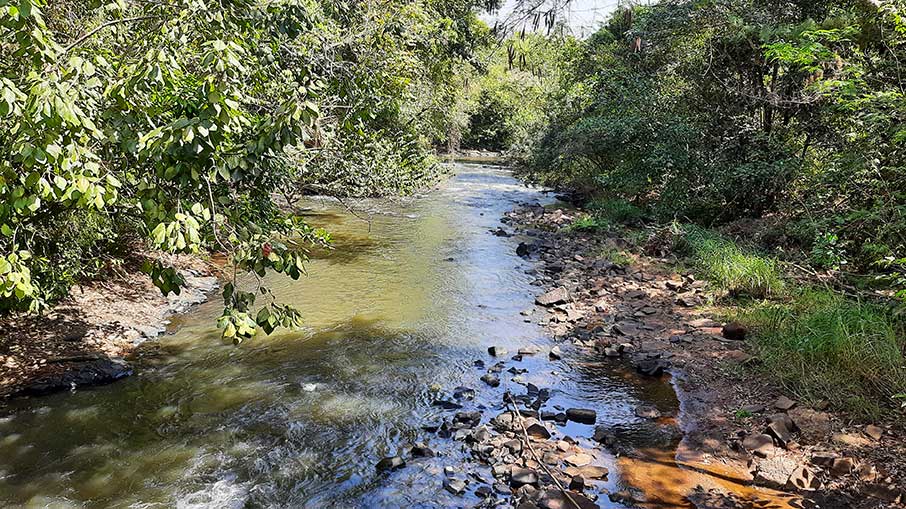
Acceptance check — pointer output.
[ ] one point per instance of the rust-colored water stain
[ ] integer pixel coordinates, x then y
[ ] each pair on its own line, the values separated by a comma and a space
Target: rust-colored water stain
664, 480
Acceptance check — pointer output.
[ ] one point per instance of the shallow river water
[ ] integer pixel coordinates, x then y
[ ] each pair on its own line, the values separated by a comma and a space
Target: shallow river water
414, 293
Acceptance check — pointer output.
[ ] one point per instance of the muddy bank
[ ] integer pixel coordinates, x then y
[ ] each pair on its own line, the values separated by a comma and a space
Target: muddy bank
84, 340
746, 442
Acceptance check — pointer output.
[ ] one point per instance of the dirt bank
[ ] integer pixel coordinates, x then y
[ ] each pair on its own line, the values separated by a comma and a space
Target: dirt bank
740, 429
83, 340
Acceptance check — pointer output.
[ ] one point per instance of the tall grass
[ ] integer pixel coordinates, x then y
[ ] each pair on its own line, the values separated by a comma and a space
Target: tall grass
617, 211
824, 346
728, 267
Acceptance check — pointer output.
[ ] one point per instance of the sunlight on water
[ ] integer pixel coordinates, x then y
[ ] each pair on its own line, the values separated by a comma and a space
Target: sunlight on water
398, 311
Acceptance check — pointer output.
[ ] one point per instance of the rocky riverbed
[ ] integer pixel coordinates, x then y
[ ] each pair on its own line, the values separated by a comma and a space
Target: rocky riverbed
743, 442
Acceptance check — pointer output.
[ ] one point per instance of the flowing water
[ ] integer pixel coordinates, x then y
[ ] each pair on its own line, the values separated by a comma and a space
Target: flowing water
414, 293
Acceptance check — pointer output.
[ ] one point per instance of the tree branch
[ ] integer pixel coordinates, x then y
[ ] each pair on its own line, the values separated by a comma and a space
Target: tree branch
102, 26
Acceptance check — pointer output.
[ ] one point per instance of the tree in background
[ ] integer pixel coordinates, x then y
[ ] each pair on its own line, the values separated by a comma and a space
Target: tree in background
727, 109
173, 125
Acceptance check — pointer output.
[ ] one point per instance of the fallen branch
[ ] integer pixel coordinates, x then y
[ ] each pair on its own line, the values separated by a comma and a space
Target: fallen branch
528, 442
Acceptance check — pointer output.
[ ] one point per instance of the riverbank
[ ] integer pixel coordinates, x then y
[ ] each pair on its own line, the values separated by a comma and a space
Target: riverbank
85, 339
627, 307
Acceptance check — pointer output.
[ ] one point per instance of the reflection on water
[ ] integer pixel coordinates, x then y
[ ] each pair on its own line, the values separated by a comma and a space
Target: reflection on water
403, 306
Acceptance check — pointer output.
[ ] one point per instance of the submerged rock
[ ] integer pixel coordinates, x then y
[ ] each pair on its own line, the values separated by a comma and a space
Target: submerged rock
652, 367
86, 373
492, 380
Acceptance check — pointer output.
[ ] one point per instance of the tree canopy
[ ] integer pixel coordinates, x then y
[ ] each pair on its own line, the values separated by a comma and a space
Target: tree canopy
176, 124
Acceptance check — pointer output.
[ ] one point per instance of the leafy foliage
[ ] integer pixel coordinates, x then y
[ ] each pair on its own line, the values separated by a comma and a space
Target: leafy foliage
176, 123
720, 110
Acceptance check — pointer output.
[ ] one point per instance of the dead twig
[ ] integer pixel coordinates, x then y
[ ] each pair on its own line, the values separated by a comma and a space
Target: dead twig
528, 443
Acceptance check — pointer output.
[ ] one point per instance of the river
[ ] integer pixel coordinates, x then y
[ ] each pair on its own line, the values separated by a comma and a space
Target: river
413, 294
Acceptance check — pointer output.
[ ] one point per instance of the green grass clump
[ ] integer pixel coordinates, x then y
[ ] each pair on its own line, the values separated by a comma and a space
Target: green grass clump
824, 346
588, 223
617, 211
728, 267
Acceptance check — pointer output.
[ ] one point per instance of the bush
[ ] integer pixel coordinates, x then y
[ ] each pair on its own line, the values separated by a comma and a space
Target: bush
826, 347
729, 268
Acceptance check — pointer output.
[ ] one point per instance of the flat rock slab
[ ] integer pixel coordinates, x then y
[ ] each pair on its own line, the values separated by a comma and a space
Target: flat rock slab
774, 472
588, 472
579, 460
784, 403
523, 476
556, 296
760, 444
88, 373
555, 499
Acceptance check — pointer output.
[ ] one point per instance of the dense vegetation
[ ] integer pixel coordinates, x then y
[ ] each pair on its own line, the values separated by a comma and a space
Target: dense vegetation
716, 111
779, 123
129, 124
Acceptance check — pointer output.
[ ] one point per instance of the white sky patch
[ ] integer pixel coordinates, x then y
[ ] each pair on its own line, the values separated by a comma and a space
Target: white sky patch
584, 16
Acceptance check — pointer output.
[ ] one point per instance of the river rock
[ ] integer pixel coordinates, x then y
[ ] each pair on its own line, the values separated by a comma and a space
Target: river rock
391, 463
734, 331
455, 486
484, 492
464, 393
537, 430
652, 367
588, 472
582, 415
422, 451
577, 483
647, 412
556, 296
578, 460
497, 351
555, 499
523, 476
492, 380
555, 353
446, 405
85, 373
466, 419
760, 444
